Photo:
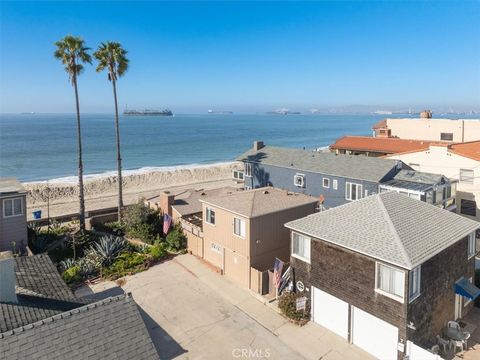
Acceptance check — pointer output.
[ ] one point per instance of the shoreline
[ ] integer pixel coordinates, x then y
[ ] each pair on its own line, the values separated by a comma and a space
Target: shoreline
101, 189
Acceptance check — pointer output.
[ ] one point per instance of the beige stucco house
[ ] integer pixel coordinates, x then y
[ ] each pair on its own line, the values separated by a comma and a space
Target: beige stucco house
456, 161
246, 229
13, 215
452, 130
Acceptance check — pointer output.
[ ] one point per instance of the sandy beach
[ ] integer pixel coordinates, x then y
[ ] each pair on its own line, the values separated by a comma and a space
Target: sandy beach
101, 190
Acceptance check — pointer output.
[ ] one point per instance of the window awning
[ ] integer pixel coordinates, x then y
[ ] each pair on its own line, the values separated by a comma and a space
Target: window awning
466, 288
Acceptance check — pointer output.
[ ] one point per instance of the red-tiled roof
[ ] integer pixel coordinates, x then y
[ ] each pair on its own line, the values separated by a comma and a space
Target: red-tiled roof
469, 149
382, 124
381, 145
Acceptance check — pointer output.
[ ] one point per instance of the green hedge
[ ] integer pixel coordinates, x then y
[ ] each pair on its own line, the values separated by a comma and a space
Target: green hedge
287, 304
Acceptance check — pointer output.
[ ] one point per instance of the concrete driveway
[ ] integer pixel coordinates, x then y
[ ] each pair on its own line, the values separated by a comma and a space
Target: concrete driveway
189, 320
194, 313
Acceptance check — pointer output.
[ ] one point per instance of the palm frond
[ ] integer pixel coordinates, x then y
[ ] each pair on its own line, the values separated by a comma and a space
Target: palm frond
111, 56
72, 52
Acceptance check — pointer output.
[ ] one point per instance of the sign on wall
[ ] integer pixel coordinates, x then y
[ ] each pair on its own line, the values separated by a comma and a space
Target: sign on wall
301, 303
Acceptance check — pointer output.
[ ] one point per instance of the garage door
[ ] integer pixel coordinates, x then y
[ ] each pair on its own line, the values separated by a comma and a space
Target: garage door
330, 312
374, 335
236, 267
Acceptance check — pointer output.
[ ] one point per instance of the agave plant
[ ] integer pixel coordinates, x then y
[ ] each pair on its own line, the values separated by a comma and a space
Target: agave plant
108, 248
88, 265
67, 264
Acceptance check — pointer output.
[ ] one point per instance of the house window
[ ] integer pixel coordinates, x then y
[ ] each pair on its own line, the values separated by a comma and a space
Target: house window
248, 169
335, 184
390, 281
301, 246
466, 176
414, 283
353, 191
238, 175
299, 180
446, 136
12, 207
468, 207
326, 182
210, 216
471, 245
239, 227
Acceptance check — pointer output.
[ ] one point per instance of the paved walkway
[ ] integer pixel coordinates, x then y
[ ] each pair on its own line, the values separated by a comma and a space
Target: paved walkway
194, 313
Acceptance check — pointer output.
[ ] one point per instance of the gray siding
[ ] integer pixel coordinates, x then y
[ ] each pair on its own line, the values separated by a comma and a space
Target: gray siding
13, 229
282, 178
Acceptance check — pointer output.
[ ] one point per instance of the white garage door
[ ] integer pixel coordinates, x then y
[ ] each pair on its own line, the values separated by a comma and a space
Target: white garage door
330, 312
374, 335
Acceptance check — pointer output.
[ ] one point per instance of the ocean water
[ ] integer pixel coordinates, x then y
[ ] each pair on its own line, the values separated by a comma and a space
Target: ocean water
42, 146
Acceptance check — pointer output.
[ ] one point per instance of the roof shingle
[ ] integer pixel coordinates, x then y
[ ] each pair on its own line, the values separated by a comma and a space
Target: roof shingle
390, 227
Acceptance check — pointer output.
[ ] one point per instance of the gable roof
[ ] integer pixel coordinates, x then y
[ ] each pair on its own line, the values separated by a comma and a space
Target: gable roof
261, 201
420, 177
107, 329
469, 149
349, 166
390, 227
379, 144
49, 322
41, 293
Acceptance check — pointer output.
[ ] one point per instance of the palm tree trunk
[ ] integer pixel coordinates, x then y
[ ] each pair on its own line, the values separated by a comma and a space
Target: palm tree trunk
80, 163
119, 158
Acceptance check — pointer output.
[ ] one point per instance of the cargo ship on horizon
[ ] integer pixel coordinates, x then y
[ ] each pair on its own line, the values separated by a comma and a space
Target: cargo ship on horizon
147, 112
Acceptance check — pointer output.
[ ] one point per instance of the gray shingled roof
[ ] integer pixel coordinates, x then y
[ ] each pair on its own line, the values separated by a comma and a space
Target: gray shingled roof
41, 293
350, 166
261, 201
390, 227
108, 329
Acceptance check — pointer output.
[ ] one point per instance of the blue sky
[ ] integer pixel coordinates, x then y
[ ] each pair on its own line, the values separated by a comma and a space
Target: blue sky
247, 56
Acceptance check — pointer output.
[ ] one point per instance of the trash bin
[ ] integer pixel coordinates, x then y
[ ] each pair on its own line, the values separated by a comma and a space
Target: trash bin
37, 214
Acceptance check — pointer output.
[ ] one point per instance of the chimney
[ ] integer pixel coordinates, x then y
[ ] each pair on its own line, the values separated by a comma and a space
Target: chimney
7, 278
257, 145
166, 202
426, 114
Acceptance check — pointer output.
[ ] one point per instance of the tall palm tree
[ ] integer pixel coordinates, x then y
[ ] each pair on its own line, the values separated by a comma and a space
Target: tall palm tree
112, 57
72, 52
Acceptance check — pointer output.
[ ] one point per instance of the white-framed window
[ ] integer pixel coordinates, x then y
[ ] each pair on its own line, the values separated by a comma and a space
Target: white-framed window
414, 283
466, 176
326, 183
299, 180
446, 136
301, 246
215, 247
12, 207
210, 216
335, 184
248, 169
390, 281
468, 300
239, 227
237, 175
471, 245
353, 191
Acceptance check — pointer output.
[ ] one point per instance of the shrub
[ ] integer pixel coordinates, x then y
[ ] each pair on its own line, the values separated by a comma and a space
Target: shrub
176, 240
66, 264
108, 248
127, 264
142, 222
157, 251
287, 304
72, 275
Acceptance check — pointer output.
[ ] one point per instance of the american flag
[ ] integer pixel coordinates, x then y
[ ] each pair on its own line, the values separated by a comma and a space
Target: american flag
167, 221
277, 272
